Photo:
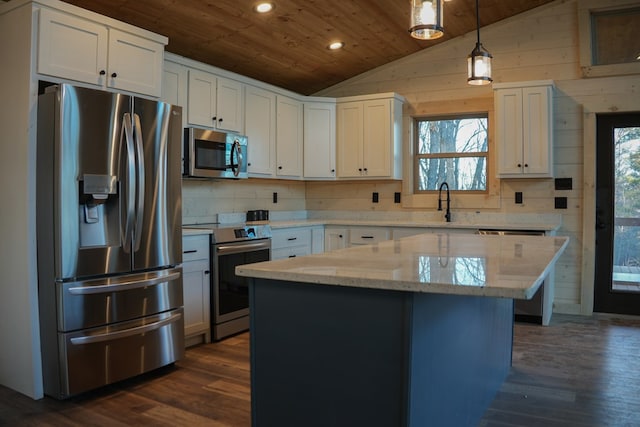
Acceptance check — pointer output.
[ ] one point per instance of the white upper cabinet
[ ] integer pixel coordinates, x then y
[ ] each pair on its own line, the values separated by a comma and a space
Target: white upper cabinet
319, 140
260, 128
74, 48
524, 129
289, 131
215, 102
369, 137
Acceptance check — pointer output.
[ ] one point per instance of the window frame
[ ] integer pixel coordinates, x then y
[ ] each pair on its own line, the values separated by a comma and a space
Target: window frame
461, 200
457, 155
585, 9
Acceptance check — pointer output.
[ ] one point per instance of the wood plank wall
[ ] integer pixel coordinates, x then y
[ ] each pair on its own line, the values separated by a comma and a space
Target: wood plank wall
541, 44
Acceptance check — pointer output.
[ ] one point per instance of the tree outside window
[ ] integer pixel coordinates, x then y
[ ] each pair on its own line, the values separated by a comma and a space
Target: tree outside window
452, 150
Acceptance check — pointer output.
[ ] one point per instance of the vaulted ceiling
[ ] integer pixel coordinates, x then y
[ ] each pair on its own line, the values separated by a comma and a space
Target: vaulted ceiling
288, 46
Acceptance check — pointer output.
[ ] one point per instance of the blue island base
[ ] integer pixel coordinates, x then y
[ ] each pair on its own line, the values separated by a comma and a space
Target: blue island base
332, 356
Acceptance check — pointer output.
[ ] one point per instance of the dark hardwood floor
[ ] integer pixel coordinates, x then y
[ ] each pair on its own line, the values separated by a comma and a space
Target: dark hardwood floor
580, 371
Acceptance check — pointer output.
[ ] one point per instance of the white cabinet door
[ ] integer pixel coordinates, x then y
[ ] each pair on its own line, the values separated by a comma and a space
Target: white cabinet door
369, 138
319, 140
260, 128
214, 102
77, 49
509, 130
174, 84
72, 48
174, 91
537, 130
196, 286
229, 105
350, 139
377, 147
524, 131
335, 238
289, 137
291, 242
135, 63
317, 240
202, 99
368, 235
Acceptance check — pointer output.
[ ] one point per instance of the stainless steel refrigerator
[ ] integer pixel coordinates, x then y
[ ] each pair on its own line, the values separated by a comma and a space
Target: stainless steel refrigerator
108, 219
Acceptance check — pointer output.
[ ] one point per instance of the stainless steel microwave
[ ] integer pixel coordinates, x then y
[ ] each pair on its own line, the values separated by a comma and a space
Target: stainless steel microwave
212, 154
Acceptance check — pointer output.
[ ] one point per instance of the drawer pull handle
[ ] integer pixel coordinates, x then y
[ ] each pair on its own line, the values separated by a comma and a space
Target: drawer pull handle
192, 251
292, 256
292, 238
366, 237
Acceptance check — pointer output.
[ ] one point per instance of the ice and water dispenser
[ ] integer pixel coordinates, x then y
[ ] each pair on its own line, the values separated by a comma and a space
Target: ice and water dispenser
99, 210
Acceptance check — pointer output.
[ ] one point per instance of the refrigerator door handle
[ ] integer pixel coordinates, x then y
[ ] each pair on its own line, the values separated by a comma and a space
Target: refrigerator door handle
140, 181
109, 336
123, 286
127, 132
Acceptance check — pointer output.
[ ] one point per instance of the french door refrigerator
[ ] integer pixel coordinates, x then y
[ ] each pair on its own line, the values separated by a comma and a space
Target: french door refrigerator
108, 216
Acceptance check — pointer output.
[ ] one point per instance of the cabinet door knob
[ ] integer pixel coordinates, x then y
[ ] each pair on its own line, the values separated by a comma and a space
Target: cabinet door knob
279, 167
365, 169
359, 169
206, 272
114, 75
519, 165
340, 236
526, 165
220, 120
103, 72
333, 170
248, 164
214, 118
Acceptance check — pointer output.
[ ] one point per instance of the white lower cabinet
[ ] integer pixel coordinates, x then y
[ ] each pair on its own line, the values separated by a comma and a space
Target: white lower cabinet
196, 288
290, 242
367, 235
335, 238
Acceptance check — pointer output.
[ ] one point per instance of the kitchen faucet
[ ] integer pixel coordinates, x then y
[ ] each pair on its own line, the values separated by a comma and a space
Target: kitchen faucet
447, 215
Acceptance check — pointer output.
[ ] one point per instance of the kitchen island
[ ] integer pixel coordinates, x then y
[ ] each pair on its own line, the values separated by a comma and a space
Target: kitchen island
409, 332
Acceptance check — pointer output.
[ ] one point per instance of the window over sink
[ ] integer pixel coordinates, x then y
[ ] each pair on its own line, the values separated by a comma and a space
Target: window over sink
451, 141
452, 149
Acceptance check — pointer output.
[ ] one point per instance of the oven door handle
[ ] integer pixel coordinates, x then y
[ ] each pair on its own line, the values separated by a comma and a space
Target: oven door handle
223, 249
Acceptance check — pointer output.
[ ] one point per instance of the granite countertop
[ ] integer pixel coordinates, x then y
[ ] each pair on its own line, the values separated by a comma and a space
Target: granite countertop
538, 226
463, 264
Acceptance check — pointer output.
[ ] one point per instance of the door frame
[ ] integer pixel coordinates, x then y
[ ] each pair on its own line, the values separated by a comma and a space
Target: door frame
589, 139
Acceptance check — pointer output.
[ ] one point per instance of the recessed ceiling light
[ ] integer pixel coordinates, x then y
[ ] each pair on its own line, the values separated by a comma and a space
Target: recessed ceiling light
336, 45
264, 7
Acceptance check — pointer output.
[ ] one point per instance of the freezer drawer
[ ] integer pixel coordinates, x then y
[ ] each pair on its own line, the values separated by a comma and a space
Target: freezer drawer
115, 299
95, 357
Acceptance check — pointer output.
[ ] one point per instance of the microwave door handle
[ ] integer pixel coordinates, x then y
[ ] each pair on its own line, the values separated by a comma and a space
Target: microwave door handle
140, 182
126, 136
235, 152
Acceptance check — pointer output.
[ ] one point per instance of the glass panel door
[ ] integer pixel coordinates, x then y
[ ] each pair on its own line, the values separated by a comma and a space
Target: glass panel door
617, 260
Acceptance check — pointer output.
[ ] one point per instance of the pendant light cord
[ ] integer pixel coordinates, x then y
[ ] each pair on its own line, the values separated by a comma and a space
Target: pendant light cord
478, 21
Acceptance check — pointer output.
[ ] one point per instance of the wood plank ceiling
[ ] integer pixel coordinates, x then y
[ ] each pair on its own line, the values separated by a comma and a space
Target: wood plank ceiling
288, 46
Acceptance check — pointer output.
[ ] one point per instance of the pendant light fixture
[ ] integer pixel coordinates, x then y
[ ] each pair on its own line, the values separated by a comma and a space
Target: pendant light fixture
426, 19
479, 60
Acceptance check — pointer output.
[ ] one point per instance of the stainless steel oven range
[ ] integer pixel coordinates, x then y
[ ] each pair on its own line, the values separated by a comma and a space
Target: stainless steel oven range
233, 245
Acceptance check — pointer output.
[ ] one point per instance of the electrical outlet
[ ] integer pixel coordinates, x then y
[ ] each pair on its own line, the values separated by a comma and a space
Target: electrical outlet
518, 197
561, 203
374, 197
